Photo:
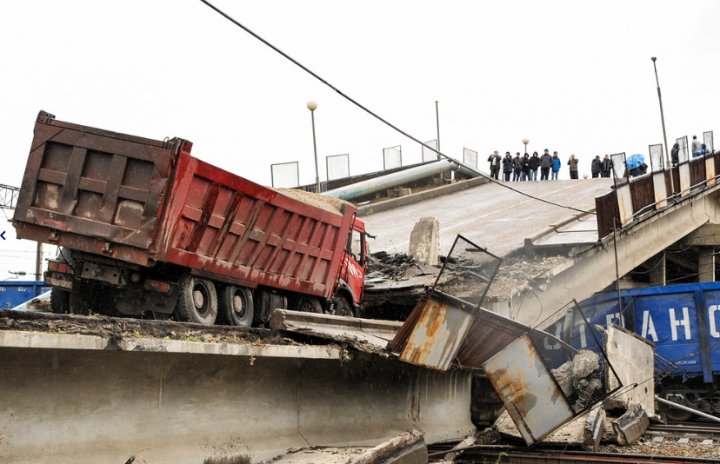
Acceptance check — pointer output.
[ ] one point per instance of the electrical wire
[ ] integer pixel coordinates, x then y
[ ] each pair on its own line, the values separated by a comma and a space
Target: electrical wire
377, 116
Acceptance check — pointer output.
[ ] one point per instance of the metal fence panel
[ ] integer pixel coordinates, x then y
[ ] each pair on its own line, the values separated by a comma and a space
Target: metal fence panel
392, 157
285, 175
684, 153
470, 157
337, 166
708, 141
657, 160
619, 168
429, 155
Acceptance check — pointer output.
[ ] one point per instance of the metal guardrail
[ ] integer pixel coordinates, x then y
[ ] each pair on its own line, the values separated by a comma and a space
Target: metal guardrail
702, 174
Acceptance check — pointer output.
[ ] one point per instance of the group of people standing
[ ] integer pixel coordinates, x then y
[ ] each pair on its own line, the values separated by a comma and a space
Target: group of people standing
601, 167
525, 168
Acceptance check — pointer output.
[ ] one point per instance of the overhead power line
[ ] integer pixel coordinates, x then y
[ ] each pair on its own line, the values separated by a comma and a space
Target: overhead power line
377, 116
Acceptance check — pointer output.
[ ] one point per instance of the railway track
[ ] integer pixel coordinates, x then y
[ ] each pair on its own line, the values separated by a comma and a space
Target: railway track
694, 431
511, 456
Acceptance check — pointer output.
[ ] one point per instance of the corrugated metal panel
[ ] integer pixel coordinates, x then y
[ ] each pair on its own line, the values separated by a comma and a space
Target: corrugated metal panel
531, 395
607, 214
643, 193
697, 171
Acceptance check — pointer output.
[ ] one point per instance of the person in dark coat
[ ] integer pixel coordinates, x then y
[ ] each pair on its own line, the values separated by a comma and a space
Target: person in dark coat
507, 165
526, 167
534, 165
546, 162
596, 167
606, 166
517, 167
573, 163
675, 154
494, 161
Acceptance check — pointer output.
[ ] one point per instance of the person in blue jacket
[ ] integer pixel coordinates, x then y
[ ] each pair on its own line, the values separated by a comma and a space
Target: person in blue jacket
556, 163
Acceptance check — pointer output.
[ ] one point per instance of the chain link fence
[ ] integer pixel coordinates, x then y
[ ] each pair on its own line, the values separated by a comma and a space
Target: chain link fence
337, 166
470, 157
429, 155
392, 157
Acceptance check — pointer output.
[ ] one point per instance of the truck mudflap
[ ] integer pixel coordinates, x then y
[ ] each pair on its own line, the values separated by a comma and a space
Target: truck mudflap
94, 190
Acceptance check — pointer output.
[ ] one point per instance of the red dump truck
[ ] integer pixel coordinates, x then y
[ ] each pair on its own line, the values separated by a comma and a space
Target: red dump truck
146, 229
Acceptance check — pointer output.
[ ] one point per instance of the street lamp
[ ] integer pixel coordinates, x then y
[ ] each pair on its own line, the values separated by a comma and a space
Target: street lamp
662, 114
525, 141
312, 106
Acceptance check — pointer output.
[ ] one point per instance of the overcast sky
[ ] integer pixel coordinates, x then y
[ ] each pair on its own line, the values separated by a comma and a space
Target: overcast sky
571, 76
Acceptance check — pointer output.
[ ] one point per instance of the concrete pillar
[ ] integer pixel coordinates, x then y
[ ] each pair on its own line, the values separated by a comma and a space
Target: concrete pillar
706, 264
658, 274
425, 241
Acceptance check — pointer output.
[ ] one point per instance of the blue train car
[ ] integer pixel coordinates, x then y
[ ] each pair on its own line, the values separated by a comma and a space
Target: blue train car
15, 292
683, 321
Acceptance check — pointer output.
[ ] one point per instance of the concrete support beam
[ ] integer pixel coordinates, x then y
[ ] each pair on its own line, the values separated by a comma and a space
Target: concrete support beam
706, 264
707, 235
658, 274
84, 401
594, 270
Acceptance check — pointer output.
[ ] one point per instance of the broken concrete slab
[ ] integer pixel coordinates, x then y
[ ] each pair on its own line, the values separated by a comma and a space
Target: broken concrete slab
425, 241
594, 429
408, 448
585, 431
633, 358
368, 335
632, 425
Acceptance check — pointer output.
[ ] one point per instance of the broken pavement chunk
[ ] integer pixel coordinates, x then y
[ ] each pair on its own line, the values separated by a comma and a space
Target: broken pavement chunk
425, 241
632, 425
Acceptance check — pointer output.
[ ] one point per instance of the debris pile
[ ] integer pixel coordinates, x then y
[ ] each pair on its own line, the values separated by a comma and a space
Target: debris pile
580, 378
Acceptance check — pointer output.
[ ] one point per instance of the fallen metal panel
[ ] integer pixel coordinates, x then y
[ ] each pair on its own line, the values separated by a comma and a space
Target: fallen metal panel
531, 396
436, 334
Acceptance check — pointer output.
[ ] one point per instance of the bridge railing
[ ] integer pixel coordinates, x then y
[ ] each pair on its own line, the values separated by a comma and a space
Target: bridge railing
635, 198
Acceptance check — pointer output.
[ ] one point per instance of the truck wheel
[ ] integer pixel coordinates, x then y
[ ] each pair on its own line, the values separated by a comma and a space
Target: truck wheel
197, 302
343, 307
236, 305
59, 301
309, 305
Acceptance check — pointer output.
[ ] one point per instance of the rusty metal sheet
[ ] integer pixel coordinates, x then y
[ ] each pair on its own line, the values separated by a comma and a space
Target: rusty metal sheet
531, 395
488, 334
697, 171
659, 189
710, 170
433, 334
684, 179
624, 200
643, 194
607, 214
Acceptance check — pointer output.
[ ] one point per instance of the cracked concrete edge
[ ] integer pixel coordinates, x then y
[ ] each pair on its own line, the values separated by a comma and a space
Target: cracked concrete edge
45, 340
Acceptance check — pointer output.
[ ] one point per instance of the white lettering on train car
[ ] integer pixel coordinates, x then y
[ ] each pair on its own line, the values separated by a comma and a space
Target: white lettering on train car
712, 312
648, 327
675, 323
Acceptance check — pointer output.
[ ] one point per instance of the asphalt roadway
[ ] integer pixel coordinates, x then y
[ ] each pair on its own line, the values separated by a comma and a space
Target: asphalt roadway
489, 215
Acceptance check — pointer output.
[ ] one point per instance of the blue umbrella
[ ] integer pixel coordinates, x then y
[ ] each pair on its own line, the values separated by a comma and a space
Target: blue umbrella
634, 161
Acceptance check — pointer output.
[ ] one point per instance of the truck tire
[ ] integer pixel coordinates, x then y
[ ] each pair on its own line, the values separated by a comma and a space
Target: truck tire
236, 305
266, 302
309, 305
59, 301
197, 302
342, 307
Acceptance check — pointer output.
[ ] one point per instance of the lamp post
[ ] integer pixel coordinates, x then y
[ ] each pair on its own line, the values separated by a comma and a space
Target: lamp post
312, 106
525, 141
662, 114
